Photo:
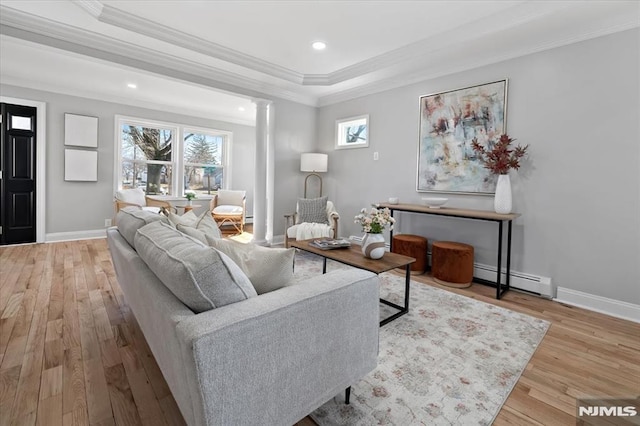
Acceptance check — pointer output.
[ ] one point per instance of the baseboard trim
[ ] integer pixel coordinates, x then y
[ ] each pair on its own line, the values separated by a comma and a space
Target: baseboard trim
604, 305
55, 237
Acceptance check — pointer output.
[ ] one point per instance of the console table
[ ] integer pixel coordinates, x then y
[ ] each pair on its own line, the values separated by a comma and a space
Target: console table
485, 215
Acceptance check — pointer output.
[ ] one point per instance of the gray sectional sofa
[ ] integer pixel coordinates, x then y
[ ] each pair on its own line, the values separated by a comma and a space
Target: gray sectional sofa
267, 359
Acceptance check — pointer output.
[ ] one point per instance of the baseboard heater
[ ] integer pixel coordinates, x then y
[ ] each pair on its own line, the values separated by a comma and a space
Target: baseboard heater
519, 280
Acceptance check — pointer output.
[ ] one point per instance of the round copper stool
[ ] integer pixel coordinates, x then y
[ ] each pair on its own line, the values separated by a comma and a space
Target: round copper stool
452, 263
413, 246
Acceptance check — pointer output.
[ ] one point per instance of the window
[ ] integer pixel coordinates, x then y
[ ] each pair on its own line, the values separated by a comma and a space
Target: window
152, 157
203, 153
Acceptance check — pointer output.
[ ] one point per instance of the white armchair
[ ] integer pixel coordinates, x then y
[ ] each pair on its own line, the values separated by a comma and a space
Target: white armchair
228, 208
297, 229
137, 197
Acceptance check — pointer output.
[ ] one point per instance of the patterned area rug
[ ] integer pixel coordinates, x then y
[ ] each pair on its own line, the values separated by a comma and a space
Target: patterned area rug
452, 360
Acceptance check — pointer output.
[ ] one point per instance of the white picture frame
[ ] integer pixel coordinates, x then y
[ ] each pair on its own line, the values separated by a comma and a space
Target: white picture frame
352, 132
80, 165
80, 130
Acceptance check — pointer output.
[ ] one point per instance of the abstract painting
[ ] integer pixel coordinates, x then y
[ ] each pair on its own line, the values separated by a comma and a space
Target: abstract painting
448, 123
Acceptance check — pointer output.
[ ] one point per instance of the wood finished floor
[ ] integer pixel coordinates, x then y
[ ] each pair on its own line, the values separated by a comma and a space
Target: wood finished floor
71, 352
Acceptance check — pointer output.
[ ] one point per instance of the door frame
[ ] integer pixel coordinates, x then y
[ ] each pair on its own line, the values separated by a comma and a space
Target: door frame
41, 138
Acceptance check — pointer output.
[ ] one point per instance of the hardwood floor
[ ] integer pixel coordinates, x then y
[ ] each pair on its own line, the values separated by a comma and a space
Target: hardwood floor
71, 352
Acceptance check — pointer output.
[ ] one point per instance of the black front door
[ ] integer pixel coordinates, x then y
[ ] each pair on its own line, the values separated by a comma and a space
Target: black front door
18, 167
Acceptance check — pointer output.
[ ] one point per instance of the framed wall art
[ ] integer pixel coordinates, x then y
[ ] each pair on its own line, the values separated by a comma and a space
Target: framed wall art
80, 165
352, 132
449, 121
81, 130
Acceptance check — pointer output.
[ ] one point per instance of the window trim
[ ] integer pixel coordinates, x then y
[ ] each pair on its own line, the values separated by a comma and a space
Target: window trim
177, 160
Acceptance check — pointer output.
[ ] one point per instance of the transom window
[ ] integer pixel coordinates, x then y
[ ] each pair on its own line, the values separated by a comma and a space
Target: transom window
167, 159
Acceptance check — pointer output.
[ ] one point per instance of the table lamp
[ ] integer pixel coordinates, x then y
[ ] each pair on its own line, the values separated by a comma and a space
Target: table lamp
314, 163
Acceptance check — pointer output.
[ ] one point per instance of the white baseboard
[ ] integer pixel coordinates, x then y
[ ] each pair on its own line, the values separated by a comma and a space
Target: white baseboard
604, 305
75, 235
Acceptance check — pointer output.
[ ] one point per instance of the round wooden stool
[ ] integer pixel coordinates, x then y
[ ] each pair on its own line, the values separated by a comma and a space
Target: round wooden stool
452, 263
413, 246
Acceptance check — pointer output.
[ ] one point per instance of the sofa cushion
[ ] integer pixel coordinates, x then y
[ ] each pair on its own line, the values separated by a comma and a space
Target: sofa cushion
130, 219
312, 210
202, 277
268, 269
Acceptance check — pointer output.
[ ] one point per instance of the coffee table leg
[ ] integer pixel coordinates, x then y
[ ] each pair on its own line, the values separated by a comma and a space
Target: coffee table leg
403, 309
324, 265
407, 281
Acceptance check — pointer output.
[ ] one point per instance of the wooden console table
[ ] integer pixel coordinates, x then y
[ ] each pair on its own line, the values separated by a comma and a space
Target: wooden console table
485, 215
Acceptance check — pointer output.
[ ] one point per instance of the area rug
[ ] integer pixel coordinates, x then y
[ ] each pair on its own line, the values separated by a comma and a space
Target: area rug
451, 360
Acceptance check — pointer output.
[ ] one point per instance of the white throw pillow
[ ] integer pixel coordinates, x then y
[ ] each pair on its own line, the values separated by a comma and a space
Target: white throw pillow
268, 269
203, 223
187, 219
206, 224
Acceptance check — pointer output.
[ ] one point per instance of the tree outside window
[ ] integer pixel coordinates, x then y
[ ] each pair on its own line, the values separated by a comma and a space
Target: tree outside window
146, 153
150, 152
203, 154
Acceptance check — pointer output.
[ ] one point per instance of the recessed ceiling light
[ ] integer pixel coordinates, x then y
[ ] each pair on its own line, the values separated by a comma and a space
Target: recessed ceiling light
132, 86
319, 45
240, 108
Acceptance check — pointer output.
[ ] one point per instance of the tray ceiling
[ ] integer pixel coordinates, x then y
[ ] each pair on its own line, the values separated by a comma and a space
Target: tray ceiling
263, 48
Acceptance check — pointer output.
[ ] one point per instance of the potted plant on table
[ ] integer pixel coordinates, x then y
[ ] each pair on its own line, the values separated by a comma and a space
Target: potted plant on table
373, 222
499, 160
190, 196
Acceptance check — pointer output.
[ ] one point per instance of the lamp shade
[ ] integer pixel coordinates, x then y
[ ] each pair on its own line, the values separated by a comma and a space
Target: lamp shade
312, 162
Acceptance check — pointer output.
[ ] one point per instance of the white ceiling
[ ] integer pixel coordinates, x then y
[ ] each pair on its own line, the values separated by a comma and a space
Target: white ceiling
182, 53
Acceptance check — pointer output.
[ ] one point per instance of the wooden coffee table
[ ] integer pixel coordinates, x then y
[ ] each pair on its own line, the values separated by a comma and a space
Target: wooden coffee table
353, 256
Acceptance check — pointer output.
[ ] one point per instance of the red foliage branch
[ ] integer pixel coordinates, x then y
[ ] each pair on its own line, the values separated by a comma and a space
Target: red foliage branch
501, 158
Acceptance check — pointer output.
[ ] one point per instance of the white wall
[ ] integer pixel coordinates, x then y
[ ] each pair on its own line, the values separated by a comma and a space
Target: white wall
295, 133
579, 192
83, 206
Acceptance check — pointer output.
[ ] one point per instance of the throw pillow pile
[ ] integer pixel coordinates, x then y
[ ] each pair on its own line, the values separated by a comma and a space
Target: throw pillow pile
268, 269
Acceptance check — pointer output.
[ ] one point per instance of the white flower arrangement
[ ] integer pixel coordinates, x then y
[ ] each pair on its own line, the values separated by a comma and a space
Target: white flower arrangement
375, 220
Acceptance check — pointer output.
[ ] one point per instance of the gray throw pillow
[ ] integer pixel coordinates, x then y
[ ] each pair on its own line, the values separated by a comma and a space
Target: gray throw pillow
312, 210
130, 219
202, 277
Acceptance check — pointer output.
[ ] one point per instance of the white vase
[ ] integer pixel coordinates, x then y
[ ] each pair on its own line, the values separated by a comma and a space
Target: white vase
373, 246
189, 202
502, 201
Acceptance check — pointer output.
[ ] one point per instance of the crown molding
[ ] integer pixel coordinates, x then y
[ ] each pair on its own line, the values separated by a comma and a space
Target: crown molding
409, 64
423, 74
40, 30
116, 17
94, 95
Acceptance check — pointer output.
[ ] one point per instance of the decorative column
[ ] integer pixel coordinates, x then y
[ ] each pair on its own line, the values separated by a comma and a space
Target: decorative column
261, 175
